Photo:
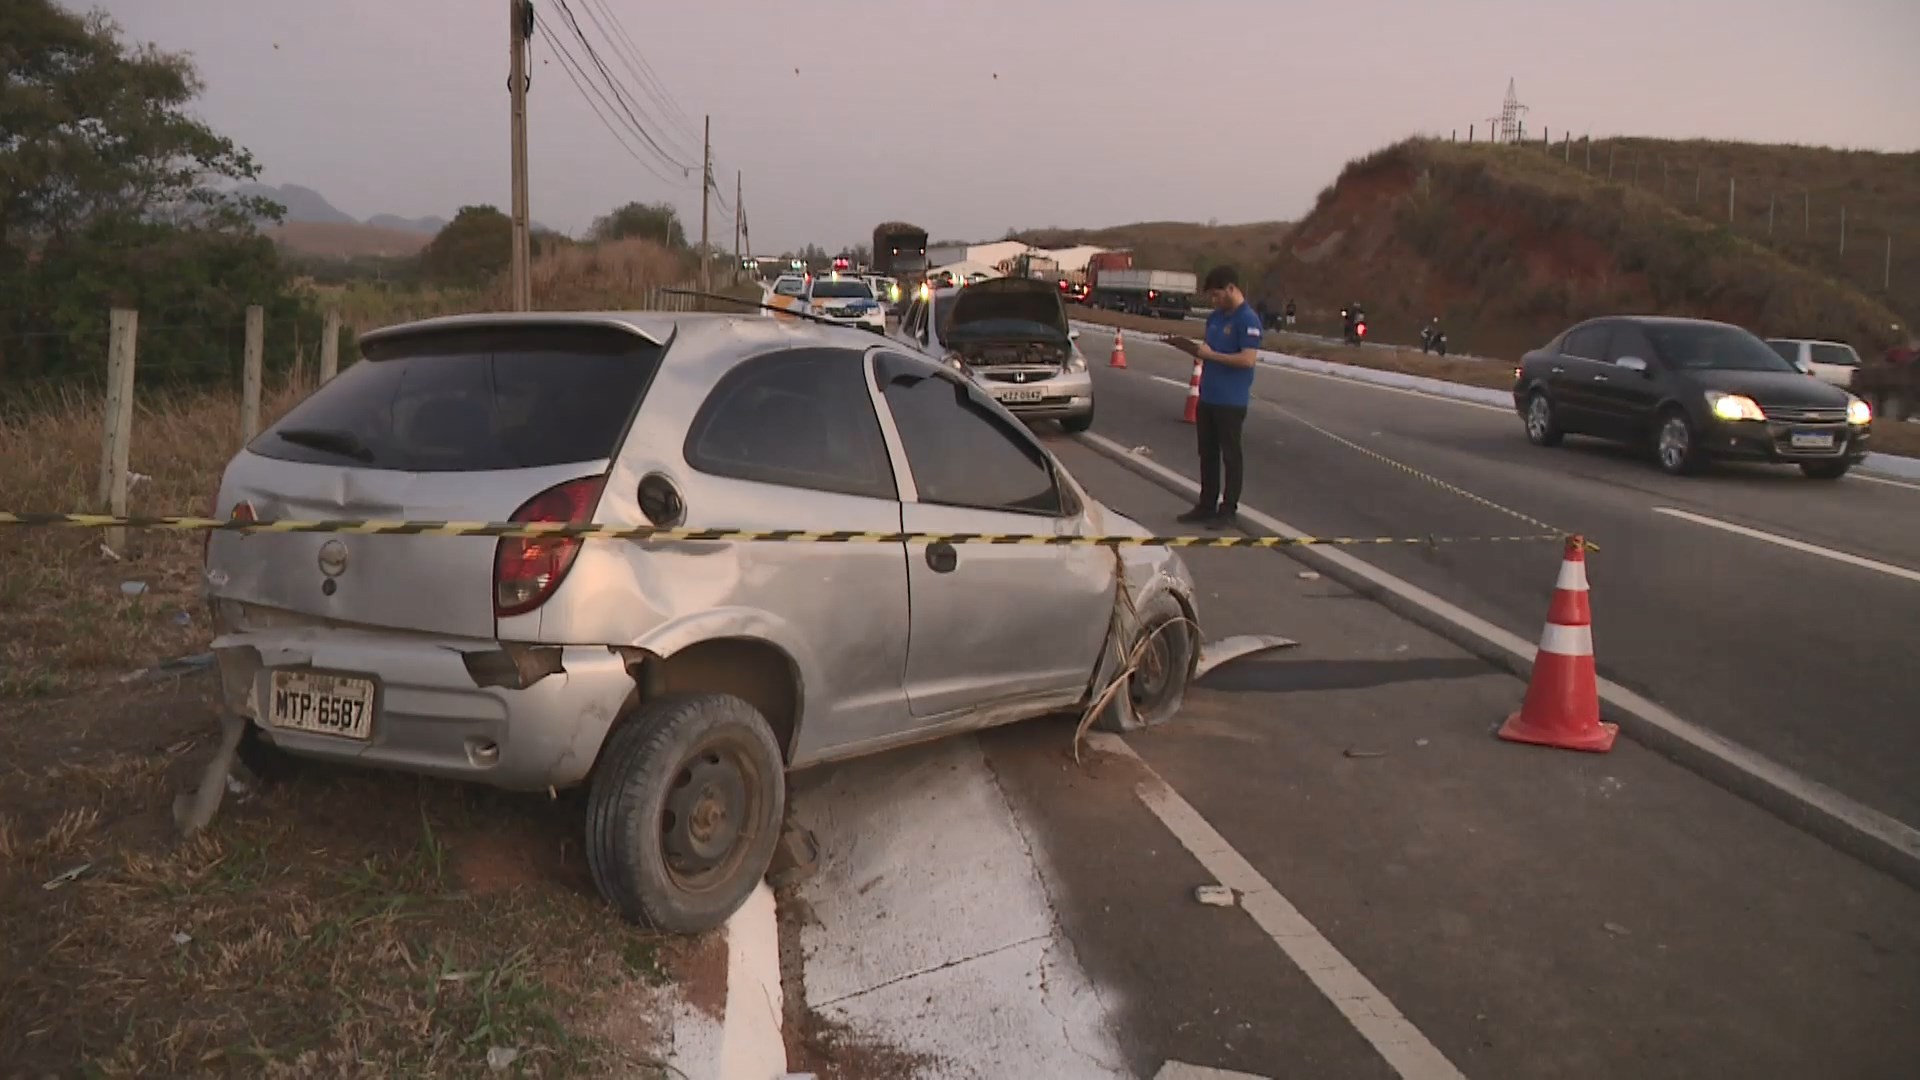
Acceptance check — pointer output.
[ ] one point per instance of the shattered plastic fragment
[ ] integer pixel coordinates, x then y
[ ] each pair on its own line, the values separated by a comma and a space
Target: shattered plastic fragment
1214, 895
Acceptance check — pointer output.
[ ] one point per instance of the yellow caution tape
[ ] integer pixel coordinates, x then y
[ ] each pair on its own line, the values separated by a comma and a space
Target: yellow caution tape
587, 531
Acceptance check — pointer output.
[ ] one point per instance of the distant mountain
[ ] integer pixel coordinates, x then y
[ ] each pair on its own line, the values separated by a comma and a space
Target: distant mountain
303, 204
430, 224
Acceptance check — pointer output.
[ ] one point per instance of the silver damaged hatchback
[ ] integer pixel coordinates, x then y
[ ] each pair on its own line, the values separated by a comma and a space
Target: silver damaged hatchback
678, 680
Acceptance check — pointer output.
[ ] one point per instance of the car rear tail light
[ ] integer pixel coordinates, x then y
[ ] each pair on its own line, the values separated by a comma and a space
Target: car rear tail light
242, 511
1362, 329
527, 570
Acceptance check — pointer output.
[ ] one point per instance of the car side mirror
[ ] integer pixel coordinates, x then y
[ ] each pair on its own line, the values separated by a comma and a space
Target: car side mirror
1632, 363
1073, 335
1805, 368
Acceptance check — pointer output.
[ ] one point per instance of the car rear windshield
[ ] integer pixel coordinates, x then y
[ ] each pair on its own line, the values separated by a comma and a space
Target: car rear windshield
515, 397
789, 287
841, 290
1828, 352
1723, 348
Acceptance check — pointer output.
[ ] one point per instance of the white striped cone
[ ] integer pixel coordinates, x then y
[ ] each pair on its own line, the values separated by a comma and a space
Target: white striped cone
1562, 707
1193, 395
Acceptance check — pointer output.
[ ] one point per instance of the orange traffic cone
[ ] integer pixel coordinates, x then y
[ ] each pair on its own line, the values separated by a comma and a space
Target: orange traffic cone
1119, 357
1193, 395
1562, 707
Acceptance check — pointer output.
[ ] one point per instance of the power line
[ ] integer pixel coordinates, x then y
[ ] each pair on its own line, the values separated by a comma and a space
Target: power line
629, 55
622, 96
576, 74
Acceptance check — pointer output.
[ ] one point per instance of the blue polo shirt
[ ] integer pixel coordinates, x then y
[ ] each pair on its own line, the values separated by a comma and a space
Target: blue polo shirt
1229, 332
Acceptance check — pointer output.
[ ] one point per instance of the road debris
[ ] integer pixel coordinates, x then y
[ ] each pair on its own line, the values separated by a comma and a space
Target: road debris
1616, 929
1356, 752
1419, 742
132, 588
1215, 653
65, 876
109, 553
181, 938
501, 1058
1214, 895
1309, 575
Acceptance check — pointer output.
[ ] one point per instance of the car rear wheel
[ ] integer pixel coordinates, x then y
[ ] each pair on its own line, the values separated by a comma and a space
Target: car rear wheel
1675, 446
1153, 691
1543, 429
1825, 470
684, 811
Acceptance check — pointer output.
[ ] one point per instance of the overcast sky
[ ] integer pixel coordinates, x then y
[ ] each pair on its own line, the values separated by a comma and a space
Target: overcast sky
971, 117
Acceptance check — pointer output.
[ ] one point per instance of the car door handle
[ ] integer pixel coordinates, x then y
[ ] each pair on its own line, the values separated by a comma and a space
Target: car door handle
942, 557
1599, 378
1559, 371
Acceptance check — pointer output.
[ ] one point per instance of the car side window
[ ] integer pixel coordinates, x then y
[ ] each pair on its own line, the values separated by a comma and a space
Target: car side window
798, 418
1586, 342
1788, 350
1629, 340
963, 450
910, 322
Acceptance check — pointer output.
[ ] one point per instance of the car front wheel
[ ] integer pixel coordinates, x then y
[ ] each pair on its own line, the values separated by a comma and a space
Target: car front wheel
684, 811
1158, 659
1675, 445
1543, 429
1074, 425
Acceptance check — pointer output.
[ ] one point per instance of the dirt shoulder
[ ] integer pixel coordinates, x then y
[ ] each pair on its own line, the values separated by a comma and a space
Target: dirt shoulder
333, 922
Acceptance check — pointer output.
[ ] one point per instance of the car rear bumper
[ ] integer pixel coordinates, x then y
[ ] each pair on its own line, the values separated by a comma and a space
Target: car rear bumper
452, 707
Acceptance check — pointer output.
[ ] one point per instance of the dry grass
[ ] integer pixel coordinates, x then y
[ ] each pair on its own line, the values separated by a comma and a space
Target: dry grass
336, 923
64, 620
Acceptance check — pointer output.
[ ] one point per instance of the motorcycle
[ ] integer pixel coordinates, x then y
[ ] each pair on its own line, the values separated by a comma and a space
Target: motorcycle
1433, 340
1353, 324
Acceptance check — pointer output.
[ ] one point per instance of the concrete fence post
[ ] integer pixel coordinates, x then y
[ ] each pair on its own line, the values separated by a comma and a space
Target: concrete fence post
1843, 229
250, 374
330, 345
117, 440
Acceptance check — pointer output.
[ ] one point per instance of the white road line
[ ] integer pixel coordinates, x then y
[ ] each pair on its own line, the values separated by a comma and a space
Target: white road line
1884, 480
1180, 1070
1886, 833
1405, 1049
1421, 394
1170, 382
1797, 545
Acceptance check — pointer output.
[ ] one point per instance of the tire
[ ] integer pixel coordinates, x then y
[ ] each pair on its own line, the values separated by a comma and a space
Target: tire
269, 764
1825, 470
1676, 446
1074, 425
1543, 430
707, 757
1154, 694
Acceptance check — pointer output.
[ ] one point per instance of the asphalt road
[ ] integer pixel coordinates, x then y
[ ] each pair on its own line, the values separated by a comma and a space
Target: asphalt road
1803, 658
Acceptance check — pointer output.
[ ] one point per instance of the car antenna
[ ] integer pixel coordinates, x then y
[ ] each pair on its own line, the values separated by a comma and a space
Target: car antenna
807, 315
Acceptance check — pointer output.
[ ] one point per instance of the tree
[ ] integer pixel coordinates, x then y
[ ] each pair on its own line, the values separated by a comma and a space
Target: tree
862, 255
107, 197
471, 250
654, 221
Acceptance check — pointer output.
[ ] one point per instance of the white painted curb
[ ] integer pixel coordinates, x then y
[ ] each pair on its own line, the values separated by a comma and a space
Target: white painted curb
749, 1045
1885, 464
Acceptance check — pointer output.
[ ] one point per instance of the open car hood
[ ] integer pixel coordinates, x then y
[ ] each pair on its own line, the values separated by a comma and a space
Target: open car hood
988, 308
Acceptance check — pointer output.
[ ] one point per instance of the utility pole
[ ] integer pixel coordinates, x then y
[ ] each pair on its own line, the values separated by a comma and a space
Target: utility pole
1886, 272
519, 273
1729, 200
1843, 228
706, 189
739, 211
1770, 199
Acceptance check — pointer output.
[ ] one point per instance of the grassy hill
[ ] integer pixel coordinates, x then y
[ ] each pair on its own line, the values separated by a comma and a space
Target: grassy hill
1510, 244
347, 239
1177, 245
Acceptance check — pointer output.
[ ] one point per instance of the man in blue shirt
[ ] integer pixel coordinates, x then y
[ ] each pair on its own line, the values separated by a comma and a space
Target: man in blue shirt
1227, 359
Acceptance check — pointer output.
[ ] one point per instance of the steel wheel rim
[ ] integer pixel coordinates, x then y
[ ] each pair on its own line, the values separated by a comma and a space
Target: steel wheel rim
1673, 442
706, 822
1537, 417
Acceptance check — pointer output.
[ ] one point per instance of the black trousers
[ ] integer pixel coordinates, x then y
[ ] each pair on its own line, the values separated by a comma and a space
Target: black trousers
1219, 430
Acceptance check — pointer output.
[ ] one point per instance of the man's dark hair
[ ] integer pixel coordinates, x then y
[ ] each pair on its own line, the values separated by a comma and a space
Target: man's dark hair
1222, 276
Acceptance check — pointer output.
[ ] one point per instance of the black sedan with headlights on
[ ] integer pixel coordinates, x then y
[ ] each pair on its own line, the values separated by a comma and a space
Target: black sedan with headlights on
1691, 391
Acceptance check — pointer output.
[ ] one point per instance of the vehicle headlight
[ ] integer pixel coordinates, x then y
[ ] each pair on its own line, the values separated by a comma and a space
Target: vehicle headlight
1734, 406
1859, 412
1077, 362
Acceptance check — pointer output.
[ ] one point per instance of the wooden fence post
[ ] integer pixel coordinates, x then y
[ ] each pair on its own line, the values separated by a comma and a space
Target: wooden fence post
117, 442
1729, 200
250, 375
1843, 229
330, 345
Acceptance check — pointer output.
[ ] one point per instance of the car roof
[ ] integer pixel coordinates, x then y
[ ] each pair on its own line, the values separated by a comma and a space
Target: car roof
1811, 341
713, 341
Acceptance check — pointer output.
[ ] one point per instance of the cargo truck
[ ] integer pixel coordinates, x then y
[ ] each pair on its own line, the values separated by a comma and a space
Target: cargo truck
900, 251
1166, 294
